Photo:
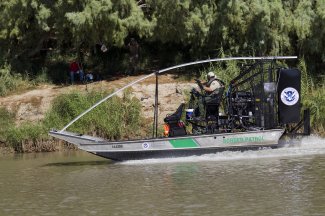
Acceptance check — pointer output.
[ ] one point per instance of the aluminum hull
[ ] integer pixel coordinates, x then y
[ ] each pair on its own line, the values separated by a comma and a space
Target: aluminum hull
172, 147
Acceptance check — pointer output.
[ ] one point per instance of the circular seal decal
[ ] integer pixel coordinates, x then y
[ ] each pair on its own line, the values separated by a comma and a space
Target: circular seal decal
289, 96
145, 145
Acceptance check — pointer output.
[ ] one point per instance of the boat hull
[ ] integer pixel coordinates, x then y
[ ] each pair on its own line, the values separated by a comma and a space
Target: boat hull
139, 155
173, 147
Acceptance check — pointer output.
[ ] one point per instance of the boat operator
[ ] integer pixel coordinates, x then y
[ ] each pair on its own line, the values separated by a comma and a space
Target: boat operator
212, 95
212, 86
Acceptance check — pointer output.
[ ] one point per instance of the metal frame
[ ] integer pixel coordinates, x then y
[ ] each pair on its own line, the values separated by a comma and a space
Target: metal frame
169, 69
263, 71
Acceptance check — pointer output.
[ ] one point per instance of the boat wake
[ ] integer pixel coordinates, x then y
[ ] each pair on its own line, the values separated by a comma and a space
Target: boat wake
312, 145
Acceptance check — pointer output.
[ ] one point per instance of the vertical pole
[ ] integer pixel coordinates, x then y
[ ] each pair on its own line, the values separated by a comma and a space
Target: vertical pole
270, 122
155, 117
262, 95
156, 105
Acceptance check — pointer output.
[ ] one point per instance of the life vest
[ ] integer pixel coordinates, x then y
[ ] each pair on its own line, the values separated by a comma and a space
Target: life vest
208, 84
214, 96
166, 130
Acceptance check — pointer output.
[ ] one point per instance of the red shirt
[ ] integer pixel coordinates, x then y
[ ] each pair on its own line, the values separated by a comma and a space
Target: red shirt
74, 67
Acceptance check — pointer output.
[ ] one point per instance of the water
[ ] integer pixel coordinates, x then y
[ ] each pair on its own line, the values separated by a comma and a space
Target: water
286, 181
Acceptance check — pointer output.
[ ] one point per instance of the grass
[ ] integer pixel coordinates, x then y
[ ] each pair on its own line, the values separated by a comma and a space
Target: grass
119, 118
6, 121
313, 97
315, 100
13, 83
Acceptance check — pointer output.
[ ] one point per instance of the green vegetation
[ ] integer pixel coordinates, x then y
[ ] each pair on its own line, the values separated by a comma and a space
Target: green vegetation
226, 71
116, 119
10, 82
313, 97
38, 34
6, 121
120, 118
316, 102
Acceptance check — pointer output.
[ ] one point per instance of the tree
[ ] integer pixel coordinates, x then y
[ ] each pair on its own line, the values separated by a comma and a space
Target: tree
185, 22
28, 26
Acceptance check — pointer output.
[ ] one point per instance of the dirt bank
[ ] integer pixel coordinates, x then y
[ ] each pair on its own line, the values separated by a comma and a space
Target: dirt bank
32, 105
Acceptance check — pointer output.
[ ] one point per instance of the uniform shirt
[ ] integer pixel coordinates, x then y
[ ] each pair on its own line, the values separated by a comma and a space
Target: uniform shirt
215, 85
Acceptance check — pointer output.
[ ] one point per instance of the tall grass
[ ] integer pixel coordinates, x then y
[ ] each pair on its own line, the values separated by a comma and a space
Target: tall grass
315, 100
10, 82
6, 121
313, 97
306, 80
119, 118
16, 136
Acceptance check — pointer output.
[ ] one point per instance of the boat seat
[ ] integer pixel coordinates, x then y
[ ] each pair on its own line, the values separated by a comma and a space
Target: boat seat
176, 116
176, 127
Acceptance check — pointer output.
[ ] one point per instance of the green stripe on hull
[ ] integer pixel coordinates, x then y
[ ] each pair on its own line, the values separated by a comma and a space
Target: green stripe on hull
183, 143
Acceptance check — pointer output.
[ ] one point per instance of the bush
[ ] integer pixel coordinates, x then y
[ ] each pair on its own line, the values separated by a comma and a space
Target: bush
315, 100
8, 82
6, 122
15, 136
115, 119
118, 118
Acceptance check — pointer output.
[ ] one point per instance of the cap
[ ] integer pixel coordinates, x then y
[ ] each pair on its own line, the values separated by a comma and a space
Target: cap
211, 75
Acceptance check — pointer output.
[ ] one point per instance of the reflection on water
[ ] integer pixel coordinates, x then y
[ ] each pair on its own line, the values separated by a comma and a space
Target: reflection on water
286, 181
80, 163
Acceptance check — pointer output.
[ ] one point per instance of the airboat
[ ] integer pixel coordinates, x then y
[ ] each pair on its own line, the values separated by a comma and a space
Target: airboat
261, 110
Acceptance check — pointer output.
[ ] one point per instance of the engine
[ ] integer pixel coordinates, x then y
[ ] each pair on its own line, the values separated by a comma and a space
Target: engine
242, 103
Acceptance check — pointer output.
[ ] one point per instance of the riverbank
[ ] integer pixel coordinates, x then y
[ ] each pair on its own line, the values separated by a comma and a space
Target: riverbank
33, 113
32, 105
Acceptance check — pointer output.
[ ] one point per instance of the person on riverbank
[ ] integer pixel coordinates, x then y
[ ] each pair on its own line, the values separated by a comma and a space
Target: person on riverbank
76, 70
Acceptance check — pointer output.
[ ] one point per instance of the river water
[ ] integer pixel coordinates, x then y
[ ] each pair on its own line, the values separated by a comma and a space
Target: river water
285, 181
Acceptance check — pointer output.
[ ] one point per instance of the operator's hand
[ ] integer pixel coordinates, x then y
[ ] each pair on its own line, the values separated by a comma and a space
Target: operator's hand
199, 83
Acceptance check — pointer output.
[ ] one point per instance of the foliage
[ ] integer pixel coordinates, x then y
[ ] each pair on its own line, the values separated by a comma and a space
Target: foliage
6, 121
225, 71
185, 22
168, 30
15, 136
10, 82
117, 119
315, 100
306, 80
108, 21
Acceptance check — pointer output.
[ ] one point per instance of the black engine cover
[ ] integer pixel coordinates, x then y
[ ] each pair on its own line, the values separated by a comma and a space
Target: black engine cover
289, 88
